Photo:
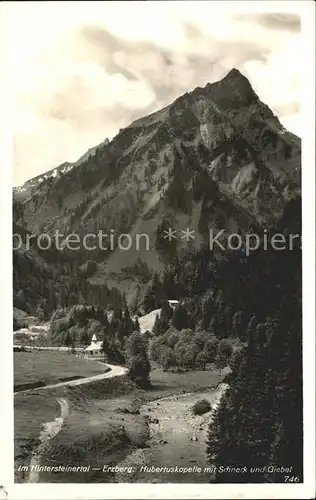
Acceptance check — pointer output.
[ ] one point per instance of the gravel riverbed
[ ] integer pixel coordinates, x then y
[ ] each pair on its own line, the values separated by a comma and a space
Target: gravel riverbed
177, 439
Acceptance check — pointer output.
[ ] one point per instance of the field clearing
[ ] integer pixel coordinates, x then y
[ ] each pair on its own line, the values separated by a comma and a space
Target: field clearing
105, 428
104, 425
30, 412
51, 367
33, 409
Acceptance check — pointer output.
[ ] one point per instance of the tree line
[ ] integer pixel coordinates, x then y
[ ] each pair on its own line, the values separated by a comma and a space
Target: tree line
260, 418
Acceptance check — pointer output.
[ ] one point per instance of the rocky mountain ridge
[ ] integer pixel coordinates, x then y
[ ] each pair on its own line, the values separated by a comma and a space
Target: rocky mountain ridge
216, 157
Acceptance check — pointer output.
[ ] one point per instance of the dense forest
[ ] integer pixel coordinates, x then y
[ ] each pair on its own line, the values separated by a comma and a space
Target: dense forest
260, 421
236, 310
47, 280
257, 300
215, 159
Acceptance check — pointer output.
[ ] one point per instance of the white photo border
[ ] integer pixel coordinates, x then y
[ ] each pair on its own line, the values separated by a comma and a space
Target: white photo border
13, 491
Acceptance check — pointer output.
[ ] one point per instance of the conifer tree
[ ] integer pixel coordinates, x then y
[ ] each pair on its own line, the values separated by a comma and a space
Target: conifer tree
156, 327
137, 356
163, 322
180, 318
136, 324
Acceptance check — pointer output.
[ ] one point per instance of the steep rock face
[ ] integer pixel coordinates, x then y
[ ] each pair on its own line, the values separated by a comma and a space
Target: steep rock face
215, 158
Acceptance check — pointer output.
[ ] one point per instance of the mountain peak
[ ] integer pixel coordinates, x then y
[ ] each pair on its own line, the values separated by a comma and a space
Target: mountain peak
234, 90
234, 72
237, 78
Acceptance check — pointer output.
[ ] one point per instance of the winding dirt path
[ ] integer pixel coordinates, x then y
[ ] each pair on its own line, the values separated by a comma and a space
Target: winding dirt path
115, 371
50, 430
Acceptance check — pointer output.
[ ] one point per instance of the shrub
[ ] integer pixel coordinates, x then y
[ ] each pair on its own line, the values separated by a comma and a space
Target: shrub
136, 353
202, 406
139, 369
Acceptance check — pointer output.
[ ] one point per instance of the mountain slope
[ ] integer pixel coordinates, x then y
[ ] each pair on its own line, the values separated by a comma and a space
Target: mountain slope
215, 158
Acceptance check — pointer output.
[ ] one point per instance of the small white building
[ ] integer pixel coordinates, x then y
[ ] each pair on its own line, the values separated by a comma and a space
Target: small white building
95, 347
173, 303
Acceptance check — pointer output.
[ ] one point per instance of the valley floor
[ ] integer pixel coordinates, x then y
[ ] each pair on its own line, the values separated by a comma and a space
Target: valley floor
112, 424
49, 367
176, 444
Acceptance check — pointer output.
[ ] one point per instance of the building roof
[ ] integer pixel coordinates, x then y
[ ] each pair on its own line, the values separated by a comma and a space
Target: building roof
94, 338
94, 346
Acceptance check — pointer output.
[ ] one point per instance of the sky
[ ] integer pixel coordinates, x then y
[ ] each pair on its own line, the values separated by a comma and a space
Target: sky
77, 72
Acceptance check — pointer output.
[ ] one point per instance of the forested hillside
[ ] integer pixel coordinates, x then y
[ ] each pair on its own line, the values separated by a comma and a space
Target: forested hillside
257, 301
216, 159
259, 422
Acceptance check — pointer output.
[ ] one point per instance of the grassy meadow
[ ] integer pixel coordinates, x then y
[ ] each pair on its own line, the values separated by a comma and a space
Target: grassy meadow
51, 367
103, 424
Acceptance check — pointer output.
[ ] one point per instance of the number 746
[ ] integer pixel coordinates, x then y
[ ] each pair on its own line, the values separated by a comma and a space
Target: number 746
291, 479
